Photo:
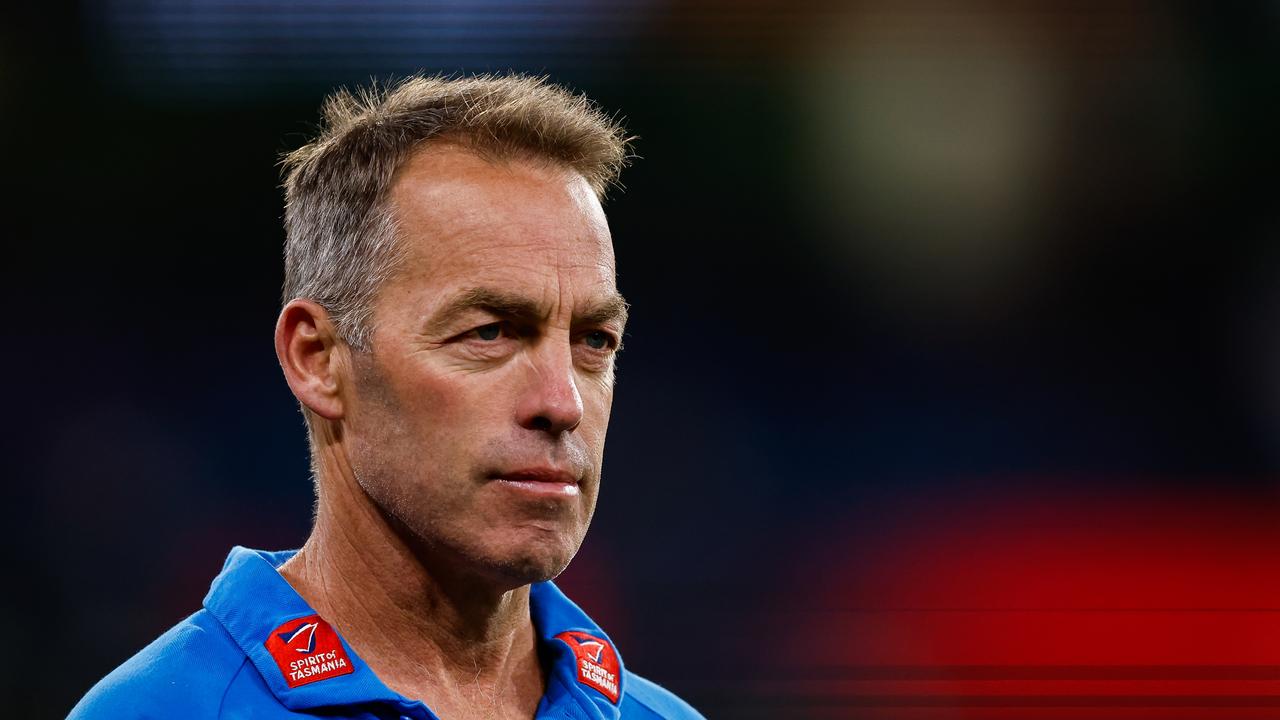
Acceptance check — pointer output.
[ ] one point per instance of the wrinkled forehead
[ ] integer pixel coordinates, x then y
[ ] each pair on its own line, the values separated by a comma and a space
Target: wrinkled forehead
463, 218
440, 172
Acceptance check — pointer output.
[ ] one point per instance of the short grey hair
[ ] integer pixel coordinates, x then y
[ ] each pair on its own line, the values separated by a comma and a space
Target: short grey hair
341, 240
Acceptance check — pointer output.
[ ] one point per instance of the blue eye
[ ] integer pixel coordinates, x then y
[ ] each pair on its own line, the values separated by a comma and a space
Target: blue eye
489, 332
598, 340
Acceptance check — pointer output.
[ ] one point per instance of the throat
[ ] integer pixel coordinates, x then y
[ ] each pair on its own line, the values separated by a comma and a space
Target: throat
460, 650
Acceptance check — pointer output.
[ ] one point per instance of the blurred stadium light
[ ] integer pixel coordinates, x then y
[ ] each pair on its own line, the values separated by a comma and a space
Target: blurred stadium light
238, 48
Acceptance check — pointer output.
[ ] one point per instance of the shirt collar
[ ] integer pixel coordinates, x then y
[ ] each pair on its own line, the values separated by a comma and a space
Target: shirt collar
251, 600
553, 616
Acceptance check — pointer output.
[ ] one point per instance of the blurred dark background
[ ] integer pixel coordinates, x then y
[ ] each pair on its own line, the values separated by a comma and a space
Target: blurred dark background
902, 274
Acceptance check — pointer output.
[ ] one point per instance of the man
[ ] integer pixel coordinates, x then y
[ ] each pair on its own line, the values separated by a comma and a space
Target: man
449, 328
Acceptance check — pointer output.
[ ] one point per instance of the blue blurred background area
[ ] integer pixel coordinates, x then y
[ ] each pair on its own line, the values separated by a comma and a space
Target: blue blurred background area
881, 256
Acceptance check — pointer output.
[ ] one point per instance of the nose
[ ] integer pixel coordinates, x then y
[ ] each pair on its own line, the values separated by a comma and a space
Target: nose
550, 402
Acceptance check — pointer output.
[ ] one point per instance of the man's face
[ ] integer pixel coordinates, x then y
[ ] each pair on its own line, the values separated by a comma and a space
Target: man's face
479, 414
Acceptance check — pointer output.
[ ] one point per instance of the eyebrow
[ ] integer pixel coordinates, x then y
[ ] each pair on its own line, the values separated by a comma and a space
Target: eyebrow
612, 308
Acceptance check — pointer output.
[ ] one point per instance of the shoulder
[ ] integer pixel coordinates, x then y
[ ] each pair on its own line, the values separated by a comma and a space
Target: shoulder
185, 672
645, 699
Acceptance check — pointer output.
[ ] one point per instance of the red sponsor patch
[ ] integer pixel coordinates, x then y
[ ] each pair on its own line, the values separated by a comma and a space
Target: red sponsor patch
308, 650
597, 663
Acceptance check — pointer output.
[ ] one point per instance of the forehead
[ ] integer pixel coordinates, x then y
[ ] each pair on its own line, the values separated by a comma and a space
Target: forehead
464, 219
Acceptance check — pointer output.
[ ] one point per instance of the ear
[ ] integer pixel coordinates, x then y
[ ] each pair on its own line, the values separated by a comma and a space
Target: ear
311, 355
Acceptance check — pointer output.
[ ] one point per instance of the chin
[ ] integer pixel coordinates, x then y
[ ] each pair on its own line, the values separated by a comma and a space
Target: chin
526, 572
532, 563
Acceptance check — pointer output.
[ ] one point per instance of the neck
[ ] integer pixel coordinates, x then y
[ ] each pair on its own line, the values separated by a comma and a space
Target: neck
461, 645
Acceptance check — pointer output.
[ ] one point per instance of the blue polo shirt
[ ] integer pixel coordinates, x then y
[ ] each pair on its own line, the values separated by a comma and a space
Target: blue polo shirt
257, 650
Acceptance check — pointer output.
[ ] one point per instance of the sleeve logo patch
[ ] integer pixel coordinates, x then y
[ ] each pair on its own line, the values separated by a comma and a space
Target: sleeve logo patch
308, 650
597, 662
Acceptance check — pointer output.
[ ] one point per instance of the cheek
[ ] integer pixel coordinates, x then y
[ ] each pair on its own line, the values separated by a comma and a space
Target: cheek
452, 421
403, 414
597, 404
420, 396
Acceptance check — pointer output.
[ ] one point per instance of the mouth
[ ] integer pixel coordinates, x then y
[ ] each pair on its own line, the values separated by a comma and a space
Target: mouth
541, 482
